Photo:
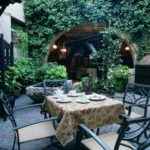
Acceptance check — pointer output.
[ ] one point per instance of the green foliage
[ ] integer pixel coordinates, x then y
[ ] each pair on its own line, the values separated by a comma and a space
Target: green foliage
25, 73
104, 86
87, 83
56, 72
41, 72
19, 76
116, 80
12, 85
50, 71
21, 41
109, 55
46, 18
132, 18
118, 77
25, 69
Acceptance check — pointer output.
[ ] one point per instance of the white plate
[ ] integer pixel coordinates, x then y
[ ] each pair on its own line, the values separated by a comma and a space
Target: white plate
56, 97
97, 98
63, 101
83, 101
74, 94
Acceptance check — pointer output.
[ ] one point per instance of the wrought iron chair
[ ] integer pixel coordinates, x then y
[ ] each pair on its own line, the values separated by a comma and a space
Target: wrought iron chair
145, 145
12, 103
46, 85
28, 132
129, 136
136, 97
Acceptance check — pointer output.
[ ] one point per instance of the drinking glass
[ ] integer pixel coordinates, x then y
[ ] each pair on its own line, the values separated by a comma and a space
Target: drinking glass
67, 86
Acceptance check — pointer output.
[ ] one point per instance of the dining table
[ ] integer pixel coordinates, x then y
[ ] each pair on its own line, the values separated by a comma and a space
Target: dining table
75, 109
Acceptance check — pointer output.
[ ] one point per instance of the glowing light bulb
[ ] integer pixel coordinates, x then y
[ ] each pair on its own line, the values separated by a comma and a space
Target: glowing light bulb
127, 48
63, 50
55, 46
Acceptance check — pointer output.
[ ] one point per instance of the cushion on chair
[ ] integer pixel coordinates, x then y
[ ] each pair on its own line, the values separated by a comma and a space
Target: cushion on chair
36, 131
108, 138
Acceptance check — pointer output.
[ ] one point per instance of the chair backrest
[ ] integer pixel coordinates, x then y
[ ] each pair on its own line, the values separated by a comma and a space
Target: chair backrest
142, 74
6, 106
137, 95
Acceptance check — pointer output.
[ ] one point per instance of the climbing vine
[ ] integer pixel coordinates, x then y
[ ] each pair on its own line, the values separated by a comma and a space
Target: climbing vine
46, 18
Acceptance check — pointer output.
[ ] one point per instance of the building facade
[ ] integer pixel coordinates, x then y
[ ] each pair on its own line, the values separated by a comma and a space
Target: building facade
12, 26
13, 11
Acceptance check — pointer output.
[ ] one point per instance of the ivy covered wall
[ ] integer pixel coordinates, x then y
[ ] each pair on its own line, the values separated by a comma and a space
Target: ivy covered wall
20, 41
46, 18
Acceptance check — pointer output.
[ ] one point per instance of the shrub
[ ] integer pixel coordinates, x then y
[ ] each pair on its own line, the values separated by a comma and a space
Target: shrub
41, 71
25, 73
118, 77
19, 76
56, 72
50, 71
12, 85
25, 68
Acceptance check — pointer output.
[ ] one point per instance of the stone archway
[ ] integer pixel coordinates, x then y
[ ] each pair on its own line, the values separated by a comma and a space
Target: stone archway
71, 48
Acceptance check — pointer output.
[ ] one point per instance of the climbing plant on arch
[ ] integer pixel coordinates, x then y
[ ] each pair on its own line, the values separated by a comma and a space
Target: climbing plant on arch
46, 18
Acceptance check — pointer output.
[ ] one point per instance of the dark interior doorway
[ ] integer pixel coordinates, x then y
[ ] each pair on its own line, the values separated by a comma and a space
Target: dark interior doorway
73, 49
126, 54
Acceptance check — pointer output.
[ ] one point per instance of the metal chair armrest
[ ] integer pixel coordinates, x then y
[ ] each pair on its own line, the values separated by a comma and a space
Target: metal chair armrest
27, 107
128, 120
91, 134
53, 119
138, 120
136, 105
